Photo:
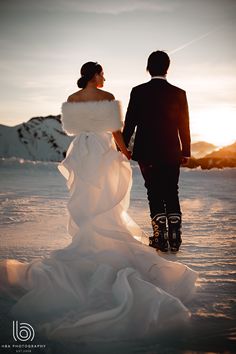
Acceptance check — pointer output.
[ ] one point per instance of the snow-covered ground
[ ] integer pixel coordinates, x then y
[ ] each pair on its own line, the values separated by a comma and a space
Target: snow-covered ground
33, 220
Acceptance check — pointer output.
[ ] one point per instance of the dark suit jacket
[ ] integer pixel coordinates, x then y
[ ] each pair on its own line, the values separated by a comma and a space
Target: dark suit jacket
159, 112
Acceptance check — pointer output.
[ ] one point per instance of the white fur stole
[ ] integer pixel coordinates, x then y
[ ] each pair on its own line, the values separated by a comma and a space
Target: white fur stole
95, 116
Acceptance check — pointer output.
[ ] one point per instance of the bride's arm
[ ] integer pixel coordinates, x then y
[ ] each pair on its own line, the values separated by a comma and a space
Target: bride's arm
121, 144
117, 135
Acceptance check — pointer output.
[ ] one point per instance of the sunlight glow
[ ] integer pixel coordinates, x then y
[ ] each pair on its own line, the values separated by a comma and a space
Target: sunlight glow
216, 125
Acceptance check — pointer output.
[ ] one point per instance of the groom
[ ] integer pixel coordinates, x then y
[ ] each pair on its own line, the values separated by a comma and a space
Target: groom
159, 112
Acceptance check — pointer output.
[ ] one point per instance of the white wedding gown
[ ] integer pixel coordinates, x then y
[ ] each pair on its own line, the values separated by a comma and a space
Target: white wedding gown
106, 284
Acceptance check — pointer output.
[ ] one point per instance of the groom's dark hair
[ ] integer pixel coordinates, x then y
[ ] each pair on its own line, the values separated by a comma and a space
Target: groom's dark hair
158, 63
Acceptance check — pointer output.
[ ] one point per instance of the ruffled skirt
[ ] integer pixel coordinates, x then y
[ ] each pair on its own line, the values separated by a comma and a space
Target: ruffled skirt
106, 284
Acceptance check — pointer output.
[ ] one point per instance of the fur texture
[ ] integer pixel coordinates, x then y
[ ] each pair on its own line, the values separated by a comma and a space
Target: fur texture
96, 116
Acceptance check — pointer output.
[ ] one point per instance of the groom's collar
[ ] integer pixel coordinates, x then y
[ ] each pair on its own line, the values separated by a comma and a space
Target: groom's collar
159, 77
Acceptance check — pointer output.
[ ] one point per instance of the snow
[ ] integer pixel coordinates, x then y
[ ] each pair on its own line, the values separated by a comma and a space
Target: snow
33, 220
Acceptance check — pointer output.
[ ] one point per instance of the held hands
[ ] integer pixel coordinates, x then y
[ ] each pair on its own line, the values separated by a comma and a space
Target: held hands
121, 144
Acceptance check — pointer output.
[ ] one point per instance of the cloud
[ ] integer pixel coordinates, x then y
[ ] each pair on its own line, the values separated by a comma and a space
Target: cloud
118, 7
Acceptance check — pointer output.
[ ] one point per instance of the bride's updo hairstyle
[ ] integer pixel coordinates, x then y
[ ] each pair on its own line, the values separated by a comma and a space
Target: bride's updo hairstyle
87, 71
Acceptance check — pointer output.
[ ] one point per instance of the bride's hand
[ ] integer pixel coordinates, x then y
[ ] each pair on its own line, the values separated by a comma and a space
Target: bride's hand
121, 144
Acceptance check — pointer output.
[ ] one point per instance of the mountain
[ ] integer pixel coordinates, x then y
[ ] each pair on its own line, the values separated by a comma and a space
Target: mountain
41, 138
201, 148
224, 157
226, 152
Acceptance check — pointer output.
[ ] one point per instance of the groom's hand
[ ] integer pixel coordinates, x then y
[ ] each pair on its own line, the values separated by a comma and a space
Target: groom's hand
184, 160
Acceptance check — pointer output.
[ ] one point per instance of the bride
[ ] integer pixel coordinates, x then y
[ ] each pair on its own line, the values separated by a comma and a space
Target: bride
106, 284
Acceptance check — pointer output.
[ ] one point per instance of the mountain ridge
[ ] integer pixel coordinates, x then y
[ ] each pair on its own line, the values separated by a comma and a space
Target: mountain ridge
43, 139
40, 138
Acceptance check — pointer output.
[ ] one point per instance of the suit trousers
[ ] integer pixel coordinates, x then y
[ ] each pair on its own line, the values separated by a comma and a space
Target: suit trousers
161, 182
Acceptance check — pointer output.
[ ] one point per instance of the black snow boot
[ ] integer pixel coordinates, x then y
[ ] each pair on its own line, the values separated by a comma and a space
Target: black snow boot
159, 240
174, 231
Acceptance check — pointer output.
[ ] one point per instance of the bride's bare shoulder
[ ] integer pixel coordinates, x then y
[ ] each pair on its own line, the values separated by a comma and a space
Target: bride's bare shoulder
95, 95
105, 95
74, 97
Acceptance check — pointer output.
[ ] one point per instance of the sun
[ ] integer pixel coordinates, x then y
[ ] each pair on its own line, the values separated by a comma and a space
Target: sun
216, 125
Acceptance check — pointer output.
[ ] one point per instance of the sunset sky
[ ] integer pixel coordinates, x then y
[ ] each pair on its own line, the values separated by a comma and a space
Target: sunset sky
44, 43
